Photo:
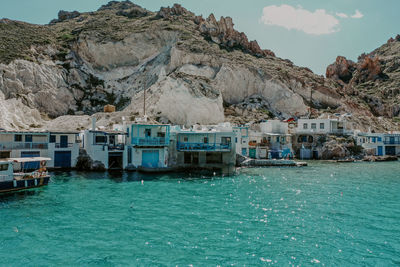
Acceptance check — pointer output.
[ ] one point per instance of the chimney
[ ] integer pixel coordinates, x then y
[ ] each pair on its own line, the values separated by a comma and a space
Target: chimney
93, 123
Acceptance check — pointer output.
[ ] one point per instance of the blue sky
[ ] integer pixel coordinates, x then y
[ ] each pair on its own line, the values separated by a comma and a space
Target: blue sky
311, 33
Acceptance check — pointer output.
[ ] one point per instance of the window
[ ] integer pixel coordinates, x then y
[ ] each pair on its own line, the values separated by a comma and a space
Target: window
3, 167
160, 134
28, 138
52, 138
185, 139
236, 140
283, 139
205, 140
305, 126
277, 139
18, 138
225, 140
147, 132
313, 126
379, 139
4, 154
322, 125
101, 139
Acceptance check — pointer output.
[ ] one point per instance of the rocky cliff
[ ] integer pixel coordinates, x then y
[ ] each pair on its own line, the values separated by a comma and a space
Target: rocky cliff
189, 69
374, 80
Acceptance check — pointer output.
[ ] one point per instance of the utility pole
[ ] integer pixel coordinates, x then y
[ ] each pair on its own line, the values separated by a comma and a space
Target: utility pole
144, 102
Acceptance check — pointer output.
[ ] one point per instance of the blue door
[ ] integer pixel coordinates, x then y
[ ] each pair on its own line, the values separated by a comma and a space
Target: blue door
62, 159
252, 153
244, 151
63, 141
150, 158
380, 151
31, 165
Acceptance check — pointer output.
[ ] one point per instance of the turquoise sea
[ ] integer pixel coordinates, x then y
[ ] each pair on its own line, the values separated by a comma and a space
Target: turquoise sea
326, 214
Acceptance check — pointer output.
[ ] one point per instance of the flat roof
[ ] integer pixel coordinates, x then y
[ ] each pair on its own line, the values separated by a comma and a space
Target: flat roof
23, 132
32, 159
108, 132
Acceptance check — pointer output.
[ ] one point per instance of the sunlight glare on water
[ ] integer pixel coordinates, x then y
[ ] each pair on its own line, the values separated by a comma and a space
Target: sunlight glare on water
325, 214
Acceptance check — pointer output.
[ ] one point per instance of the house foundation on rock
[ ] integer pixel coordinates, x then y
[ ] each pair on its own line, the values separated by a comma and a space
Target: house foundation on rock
310, 134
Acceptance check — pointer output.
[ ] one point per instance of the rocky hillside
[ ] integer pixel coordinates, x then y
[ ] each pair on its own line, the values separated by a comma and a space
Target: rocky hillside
374, 79
189, 69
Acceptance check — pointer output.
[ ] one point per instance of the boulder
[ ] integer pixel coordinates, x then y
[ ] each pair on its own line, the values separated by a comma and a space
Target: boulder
334, 150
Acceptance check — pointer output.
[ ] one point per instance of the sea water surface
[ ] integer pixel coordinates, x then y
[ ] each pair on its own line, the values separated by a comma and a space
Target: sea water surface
325, 214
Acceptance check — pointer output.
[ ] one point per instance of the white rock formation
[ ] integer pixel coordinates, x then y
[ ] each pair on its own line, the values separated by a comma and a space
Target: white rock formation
15, 115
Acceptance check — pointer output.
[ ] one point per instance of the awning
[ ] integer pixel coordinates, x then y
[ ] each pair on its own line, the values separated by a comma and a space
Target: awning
32, 159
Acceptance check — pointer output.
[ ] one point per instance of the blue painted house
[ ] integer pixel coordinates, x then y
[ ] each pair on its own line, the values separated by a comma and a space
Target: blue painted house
148, 145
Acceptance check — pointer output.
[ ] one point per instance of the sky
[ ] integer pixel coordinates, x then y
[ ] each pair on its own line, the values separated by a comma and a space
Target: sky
311, 33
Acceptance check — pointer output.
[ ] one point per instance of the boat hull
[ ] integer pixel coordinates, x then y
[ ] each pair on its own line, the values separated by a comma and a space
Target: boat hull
16, 185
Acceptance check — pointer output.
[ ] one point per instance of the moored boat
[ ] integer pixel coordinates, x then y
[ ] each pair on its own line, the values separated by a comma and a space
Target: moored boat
15, 181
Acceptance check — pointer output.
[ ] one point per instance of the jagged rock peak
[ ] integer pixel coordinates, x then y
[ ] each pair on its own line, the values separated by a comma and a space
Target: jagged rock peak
341, 70
118, 5
223, 33
174, 11
65, 15
395, 39
125, 8
369, 69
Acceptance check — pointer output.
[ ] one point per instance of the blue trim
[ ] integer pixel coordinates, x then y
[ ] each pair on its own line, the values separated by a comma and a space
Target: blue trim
202, 146
138, 140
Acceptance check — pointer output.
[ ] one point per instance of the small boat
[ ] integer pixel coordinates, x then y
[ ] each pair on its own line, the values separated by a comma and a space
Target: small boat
14, 181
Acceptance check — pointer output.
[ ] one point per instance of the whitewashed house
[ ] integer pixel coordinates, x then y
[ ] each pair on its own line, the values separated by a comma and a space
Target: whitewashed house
63, 149
322, 126
379, 144
242, 140
272, 141
20, 144
107, 147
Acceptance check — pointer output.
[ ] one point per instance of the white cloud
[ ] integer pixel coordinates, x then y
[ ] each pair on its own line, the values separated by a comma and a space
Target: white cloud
317, 22
342, 15
357, 15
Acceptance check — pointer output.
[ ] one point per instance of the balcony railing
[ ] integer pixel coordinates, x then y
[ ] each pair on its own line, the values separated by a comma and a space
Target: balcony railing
150, 141
63, 145
391, 142
203, 147
21, 145
116, 147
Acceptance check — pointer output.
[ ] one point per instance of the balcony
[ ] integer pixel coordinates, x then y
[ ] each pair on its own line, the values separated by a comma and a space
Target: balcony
391, 142
21, 145
116, 147
202, 147
150, 141
64, 145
